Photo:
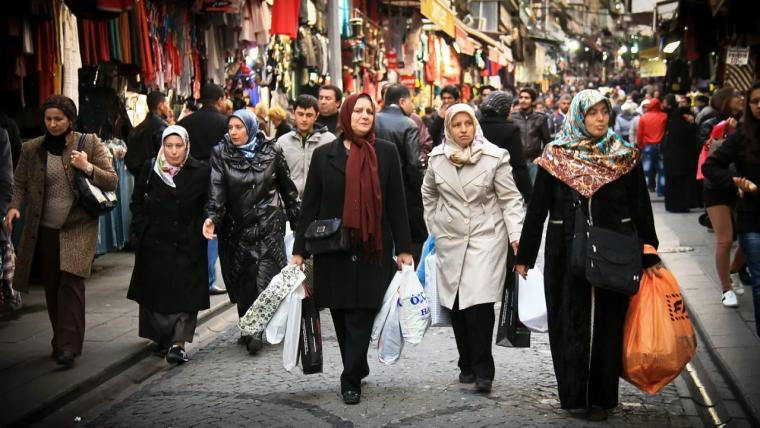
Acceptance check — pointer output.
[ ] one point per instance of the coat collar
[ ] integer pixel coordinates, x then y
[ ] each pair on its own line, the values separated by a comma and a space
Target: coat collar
469, 173
337, 155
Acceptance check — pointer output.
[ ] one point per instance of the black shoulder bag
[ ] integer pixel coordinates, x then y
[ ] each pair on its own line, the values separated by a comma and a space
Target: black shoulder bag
606, 258
94, 200
326, 236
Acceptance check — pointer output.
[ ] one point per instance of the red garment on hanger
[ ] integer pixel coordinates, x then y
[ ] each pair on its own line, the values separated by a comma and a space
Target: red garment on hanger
285, 17
146, 68
431, 67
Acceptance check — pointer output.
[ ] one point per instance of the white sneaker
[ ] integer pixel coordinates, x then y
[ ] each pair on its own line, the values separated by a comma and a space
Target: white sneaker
729, 299
736, 284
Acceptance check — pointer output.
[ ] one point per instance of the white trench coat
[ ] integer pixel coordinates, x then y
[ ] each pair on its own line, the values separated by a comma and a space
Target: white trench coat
473, 212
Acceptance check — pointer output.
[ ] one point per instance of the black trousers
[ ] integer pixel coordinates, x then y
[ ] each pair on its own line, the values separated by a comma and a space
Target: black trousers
473, 331
64, 295
353, 328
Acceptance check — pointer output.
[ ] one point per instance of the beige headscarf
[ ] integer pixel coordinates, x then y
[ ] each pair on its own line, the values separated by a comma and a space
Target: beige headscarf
454, 152
162, 167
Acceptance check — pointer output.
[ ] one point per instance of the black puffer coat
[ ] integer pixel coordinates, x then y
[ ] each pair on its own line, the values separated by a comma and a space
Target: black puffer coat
248, 216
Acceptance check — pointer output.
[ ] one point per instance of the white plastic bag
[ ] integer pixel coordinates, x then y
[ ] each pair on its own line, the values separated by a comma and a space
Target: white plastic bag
275, 331
390, 298
289, 241
293, 329
439, 315
414, 311
531, 302
391, 340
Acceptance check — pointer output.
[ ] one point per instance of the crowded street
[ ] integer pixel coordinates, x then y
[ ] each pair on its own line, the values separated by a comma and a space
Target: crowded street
307, 213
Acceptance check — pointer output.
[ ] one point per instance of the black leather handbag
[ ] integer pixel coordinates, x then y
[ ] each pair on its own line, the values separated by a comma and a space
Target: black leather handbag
606, 258
326, 236
94, 200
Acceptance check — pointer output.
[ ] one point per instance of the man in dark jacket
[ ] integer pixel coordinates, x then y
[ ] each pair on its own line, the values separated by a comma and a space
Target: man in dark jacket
330, 98
208, 125
145, 139
14, 136
501, 131
206, 128
393, 124
449, 97
534, 129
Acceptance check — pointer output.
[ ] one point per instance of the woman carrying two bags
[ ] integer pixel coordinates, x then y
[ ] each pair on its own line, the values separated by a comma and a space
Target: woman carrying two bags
588, 161
474, 211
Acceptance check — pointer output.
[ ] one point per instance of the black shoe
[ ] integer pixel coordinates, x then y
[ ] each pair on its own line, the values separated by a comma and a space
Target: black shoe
214, 290
352, 397
745, 276
65, 359
483, 385
243, 340
254, 344
159, 350
466, 377
597, 414
176, 355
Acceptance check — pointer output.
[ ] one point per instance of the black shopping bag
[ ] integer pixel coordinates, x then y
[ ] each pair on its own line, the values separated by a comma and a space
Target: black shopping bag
511, 332
310, 347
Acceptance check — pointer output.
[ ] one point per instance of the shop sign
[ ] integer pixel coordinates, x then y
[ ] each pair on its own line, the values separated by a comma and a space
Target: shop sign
437, 12
653, 68
407, 79
737, 56
464, 42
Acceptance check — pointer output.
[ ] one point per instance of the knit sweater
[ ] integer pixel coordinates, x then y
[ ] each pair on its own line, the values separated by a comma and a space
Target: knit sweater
59, 197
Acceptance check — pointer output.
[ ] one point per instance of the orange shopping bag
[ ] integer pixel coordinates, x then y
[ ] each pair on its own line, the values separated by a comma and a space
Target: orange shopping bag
658, 338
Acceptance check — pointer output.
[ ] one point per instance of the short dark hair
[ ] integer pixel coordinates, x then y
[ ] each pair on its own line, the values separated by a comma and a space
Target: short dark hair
451, 90
529, 91
306, 101
489, 87
335, 89
211, 93
395, 92
155, 98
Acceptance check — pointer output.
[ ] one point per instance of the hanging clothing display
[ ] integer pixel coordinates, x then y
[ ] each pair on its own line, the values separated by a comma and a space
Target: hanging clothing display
284, 21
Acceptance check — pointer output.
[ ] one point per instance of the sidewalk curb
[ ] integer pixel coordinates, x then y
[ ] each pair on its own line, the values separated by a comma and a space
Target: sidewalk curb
722, 366
90, 383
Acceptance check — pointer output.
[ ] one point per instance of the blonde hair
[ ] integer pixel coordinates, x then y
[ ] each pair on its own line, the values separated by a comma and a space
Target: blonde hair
261, 110
277, 113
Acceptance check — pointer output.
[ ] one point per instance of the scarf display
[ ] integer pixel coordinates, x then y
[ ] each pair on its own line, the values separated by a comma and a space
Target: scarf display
255, 136
162, 167
363, 200
456, 154
581, 161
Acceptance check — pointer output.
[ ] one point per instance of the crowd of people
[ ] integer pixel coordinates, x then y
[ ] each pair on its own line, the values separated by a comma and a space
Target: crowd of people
482, 180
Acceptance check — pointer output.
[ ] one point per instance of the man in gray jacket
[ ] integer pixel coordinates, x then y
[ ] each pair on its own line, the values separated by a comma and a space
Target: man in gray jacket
299, 144
393, 124
534, 129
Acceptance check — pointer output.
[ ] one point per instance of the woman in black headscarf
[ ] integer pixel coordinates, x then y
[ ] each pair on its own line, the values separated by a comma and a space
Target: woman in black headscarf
499, 129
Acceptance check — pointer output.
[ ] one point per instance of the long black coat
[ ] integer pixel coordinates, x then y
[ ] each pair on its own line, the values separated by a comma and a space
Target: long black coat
586, 375
345, 280
243, 204
171, 269
505, 134
680, 147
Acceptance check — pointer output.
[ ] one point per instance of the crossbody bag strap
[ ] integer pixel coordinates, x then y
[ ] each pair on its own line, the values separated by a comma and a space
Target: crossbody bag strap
80, 144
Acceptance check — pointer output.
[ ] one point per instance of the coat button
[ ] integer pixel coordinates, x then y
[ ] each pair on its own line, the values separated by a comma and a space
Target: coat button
354, 258
466, 204
448, 219
467, 221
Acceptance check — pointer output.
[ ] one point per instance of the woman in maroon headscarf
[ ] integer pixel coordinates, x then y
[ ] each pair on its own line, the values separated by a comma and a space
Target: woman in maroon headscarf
357, 179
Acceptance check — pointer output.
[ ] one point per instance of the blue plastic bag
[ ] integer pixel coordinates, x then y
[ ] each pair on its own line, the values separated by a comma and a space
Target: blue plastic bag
427, 248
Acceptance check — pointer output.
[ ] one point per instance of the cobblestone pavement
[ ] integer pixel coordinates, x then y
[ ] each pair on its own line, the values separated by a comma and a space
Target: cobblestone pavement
223, 386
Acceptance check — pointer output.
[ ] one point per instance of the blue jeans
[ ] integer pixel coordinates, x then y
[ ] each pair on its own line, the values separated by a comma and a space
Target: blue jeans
750, 243
213, 254
532, 172
654, 167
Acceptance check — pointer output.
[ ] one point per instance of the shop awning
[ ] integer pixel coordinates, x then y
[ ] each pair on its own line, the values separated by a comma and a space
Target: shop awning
440, 14
485, 38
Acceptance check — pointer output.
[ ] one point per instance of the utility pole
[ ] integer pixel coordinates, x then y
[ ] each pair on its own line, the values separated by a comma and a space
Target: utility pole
333, 34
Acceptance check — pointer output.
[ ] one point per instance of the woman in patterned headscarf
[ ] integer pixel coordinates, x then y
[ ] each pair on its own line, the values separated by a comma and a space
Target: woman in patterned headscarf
169, 277
587, 161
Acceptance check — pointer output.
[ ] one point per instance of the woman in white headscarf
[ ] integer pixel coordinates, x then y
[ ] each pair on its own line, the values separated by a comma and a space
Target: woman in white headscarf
475, 212
170, 276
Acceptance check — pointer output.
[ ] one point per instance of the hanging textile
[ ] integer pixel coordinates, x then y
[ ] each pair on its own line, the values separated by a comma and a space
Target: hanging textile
284, 20
69, 54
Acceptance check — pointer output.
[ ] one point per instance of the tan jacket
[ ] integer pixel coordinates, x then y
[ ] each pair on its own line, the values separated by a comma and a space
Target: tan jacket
79, 234
473, 214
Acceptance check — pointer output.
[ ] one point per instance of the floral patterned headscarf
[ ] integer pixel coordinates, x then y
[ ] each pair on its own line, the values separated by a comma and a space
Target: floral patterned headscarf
581, 161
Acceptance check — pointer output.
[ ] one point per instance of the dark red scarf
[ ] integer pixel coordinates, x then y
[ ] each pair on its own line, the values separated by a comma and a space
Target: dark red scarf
363, 202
